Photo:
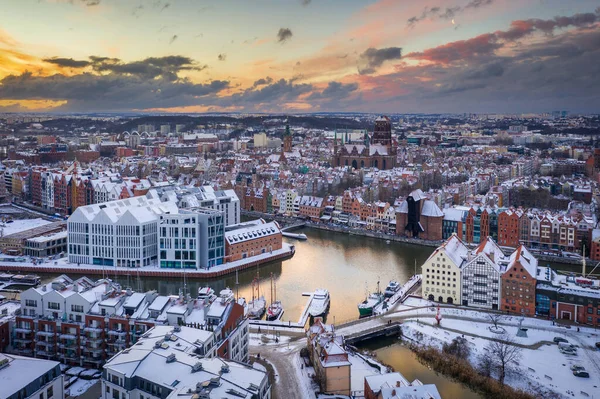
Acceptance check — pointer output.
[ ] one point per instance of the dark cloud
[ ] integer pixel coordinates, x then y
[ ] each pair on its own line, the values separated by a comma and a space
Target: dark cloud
461, 50
222, 57
486, 44
284, 35
272, 94
165, 6
150, 68
173, 38
521, 28
373, 58
263, 81
89, 92
446, 13
334, 91
67, 62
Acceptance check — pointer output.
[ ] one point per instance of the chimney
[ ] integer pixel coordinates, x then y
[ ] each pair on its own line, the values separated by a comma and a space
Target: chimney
397, 384
393, 392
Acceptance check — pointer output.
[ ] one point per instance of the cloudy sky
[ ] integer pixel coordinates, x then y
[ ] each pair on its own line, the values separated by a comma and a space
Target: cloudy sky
300, 55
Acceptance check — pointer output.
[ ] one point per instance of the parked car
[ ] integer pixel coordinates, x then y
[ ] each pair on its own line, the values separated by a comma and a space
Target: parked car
598, 345
560, 339
581, 373
576, 367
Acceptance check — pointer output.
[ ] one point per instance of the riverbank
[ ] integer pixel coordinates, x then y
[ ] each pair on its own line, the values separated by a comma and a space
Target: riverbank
63, 267
288, 220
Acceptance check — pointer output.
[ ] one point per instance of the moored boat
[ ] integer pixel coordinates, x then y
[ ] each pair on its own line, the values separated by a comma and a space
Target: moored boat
391, 289
320, 303
258, 305
365, 308
275, 309
206, 294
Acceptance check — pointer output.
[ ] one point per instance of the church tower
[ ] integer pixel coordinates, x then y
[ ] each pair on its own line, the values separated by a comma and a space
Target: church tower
287, 138
383, 131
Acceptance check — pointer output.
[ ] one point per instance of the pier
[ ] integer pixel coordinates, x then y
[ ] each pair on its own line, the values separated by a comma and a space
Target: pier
152, 271
399, 296
298, 325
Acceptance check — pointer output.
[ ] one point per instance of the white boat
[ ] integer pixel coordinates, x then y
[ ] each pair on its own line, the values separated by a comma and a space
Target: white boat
226, 296
207, 295
258, 305
275, 309
391, 289
301, 236
320, 303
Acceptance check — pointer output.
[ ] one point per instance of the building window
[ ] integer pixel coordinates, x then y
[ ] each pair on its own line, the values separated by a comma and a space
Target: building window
77, 308
50, 392
54, 305
31, 302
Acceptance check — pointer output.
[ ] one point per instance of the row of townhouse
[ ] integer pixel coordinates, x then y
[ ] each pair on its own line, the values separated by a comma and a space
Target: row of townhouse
484, 277
537, 229
85, 323
63, 191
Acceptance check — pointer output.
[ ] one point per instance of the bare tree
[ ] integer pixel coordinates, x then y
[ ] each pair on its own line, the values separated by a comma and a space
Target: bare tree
495, 318
503, 354
459, 348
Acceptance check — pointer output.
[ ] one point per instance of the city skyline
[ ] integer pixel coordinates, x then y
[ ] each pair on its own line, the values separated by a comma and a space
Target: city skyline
299, 56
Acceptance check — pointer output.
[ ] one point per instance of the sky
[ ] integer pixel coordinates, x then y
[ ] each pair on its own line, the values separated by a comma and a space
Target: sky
296, 56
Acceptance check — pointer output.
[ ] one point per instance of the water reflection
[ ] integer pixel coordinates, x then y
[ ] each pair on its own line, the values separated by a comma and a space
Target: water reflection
403, 360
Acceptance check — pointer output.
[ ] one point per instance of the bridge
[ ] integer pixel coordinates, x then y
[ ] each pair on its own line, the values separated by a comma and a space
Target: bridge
293, 226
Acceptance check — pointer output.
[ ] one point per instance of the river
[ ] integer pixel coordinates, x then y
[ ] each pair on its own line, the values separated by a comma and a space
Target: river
342, 263
403, 360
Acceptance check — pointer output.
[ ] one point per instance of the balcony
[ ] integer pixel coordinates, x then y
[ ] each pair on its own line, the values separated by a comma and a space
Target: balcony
93, 351
48, 344
45, 333
23, 340
119, 333
25, 351
93, 329
23, 330
67, 336
45, 353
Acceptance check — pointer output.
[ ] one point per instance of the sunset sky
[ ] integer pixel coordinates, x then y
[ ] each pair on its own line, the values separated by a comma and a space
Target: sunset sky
514, 56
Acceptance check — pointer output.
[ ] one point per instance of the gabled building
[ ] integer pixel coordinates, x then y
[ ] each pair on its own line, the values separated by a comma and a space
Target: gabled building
442, 272
480, 276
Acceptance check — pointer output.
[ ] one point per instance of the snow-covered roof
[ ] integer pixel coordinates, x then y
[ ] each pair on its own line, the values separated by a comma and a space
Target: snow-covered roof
525, 259
179, 370
431, 209
251, 232
455, 250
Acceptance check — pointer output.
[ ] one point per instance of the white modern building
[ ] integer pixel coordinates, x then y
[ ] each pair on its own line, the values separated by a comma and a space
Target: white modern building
225, 201
25, 377
191, 239
117, 233
168, 363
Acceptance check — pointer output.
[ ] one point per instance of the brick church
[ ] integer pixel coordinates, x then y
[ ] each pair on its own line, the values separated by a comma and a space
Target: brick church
376, 151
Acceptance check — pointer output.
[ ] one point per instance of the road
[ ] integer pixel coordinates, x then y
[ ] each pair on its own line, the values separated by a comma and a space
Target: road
285, 359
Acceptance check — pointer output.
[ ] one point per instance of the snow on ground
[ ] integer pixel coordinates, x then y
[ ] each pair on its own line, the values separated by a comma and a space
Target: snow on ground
358, 371
75, 371
80, 387
266, 339
91, 373
543, 367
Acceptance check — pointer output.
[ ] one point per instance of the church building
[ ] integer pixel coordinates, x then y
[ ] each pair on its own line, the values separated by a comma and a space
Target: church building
376, 151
